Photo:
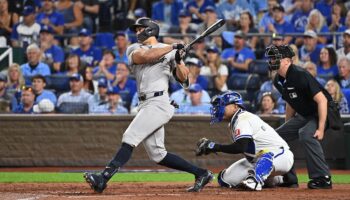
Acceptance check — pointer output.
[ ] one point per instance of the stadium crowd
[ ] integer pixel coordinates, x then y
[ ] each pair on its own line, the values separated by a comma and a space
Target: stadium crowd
75, 51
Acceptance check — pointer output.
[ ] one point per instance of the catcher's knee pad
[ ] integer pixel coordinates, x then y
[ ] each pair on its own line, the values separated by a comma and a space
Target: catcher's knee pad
264, 167
221, 182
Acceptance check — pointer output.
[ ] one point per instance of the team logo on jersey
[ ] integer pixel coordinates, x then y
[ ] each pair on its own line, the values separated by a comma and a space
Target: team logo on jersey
237, 132
293, 95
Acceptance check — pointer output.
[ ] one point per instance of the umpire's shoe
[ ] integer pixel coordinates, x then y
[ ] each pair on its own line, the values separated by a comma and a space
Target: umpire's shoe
323, 182
201, 181
96, 181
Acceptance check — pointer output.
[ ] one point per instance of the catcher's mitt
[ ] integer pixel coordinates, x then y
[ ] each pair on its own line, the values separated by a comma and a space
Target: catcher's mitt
204, 146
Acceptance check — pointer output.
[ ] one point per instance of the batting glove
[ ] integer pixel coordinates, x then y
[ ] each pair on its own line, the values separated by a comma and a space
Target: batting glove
178, 46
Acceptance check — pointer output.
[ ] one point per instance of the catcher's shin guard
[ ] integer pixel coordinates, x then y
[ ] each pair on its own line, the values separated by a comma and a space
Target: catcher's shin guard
221, 182
263, 167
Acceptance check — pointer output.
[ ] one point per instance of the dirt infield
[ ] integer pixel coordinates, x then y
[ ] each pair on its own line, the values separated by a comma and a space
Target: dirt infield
155, 191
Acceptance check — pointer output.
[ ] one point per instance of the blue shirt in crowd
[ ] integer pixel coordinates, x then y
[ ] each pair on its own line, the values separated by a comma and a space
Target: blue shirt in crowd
239, 56
55, 53
283, 28
118, 58
158, 11
332, 71
314, 55
193, 3
127, 92
41, 68
46, 94
191, 109
20, 110
299, 20
55, 18
105, 109
111, 69
90, 56
227, 10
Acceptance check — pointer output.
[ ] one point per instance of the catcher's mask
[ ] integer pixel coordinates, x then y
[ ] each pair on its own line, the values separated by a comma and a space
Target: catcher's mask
151, 28
219, 102
274, 55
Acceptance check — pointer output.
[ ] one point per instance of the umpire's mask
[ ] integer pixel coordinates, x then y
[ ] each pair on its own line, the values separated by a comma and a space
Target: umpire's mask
276, 53
151, 28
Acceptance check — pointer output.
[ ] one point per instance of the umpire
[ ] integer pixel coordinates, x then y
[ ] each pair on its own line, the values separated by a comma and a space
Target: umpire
306, 114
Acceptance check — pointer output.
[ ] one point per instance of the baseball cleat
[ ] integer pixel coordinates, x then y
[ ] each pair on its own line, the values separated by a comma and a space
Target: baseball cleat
201, 181
96, 181
320, 183
251, 183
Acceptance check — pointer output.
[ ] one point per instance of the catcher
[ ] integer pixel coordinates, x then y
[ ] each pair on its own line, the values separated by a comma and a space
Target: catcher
267, 155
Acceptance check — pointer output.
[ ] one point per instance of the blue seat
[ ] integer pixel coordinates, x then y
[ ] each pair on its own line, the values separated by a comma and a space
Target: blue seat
59, 83
237, 81
73, 108
346, 93
260, 67
104, 40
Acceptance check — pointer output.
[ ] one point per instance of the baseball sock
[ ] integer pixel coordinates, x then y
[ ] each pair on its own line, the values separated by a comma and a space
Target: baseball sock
118, 161
176, 162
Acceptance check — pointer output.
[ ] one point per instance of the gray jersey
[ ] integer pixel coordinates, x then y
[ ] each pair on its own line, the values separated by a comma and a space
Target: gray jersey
152, 77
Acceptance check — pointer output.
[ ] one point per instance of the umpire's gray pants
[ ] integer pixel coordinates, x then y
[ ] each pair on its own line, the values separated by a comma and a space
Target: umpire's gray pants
304, 129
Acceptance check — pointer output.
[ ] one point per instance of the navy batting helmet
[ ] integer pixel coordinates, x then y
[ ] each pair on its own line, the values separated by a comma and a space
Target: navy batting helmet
151, 28
276, 53
219, 103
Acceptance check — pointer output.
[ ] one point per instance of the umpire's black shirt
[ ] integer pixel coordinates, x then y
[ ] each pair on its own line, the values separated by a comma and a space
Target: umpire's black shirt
298, 89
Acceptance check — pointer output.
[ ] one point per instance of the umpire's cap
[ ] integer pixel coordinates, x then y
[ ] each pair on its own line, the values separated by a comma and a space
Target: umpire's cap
152, 28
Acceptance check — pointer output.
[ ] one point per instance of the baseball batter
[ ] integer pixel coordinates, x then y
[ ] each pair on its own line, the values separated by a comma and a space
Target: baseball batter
267, 155
152, 64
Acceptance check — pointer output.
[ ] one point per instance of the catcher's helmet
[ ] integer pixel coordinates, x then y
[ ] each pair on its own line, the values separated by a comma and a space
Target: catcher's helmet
276, 53
151, 28
219, 103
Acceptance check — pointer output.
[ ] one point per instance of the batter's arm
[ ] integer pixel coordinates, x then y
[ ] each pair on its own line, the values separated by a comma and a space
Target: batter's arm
322, 102
290, 112
182, 72
144, 56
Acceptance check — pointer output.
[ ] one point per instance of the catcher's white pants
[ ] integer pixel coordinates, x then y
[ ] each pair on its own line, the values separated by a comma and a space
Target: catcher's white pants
238, 171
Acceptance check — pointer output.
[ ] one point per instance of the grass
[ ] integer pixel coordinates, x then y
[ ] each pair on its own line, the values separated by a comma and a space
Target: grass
50, 177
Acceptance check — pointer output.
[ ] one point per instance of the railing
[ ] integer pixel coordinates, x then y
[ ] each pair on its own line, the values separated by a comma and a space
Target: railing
8, 53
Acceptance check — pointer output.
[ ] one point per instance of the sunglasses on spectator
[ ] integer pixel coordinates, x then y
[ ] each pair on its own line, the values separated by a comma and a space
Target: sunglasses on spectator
26, 88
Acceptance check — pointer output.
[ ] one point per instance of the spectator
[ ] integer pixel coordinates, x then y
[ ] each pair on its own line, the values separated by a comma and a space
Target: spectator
113, 106
7, 20
312, 69
344, 72
328, 62
196, 106
27, 101
4, 106
107, 66
72, 65
197, 8
317, 23
209, 19
300, 18
310, 51
334, 90
52, 54
38, 85
230, 10
267, 17
121, 44
26, 32
296, 60
182, 96
337, 20
277, 39
90, 85
268, 104
101, 97
90, 9
45, 106
194, 65
89, 54
73, 17
215, 69
185, 27
34, 66
345, 50
199, 51
239, 56
326, 8
167, 11
246, 25
49, 17
76, 94
268, 87
15, 79
126, 86
4, 95
280, 25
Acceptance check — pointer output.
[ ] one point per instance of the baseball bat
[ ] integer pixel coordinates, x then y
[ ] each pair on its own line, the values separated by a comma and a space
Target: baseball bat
205, 33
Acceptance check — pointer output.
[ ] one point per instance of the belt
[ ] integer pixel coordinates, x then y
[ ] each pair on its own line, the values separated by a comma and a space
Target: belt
144, 97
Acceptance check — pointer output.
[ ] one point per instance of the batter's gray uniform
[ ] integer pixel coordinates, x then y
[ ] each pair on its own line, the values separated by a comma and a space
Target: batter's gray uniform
153, 112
